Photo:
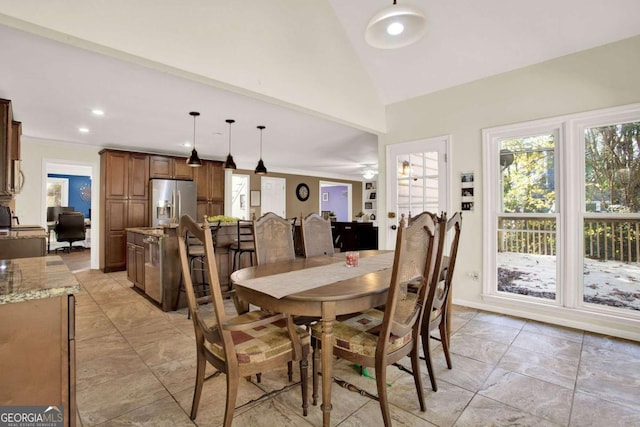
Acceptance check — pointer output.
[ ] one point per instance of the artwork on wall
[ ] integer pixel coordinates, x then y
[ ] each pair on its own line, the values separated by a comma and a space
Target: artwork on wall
325, 197
255, 198
467, 191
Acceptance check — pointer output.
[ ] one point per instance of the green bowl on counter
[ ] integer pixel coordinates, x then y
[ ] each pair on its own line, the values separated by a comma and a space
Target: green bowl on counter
223, 219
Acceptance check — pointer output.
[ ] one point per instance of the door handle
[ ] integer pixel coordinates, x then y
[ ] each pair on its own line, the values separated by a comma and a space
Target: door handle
393, 227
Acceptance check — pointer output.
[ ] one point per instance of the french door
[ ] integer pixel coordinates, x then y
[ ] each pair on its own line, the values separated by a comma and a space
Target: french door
417, 180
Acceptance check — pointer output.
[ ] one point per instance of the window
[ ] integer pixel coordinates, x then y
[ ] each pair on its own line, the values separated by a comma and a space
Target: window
562, 212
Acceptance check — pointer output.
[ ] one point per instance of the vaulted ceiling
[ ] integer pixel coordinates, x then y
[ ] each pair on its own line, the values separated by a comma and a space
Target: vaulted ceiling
301, 68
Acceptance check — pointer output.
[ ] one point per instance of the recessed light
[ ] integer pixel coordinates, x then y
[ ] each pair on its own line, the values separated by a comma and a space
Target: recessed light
97, 112
83, 130
186, 144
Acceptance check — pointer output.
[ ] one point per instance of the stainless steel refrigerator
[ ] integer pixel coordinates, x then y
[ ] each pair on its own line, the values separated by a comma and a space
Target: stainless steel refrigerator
170, 199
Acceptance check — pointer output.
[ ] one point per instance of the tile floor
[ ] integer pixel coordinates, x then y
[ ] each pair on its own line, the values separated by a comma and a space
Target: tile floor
136, 366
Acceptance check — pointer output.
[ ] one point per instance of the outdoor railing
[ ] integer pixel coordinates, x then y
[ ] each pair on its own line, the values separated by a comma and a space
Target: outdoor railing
606, 239
530, 235
612, 239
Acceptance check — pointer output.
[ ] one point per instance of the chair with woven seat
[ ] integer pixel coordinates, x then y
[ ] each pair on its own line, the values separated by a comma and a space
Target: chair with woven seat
241, 346
273, 239
243, 243
378, 338
439, 296
317, 239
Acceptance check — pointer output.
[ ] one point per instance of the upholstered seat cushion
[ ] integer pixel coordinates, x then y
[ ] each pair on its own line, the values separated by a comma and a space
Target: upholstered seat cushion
358, 333
261, 343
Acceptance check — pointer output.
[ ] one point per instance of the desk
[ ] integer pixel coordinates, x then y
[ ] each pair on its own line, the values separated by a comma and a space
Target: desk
331, 299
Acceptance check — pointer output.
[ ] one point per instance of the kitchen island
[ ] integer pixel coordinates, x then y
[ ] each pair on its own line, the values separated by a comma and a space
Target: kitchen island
153, 262
23, 242
37, 337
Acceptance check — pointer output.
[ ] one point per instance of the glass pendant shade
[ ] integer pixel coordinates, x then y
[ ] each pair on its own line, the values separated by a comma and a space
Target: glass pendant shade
396, 26
260, 169
229, 163
194, 161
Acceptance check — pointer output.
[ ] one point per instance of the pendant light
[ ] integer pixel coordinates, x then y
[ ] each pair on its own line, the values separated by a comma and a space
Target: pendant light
260, 169
229, 163
396, 26
194, 161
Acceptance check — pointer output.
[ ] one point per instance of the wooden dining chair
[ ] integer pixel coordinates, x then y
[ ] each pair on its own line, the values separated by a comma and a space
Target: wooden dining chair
241, 346
273, 239
377, 338
317, 239
439, 296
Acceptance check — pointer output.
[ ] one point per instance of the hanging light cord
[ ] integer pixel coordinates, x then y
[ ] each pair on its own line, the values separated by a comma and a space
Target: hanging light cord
261, 129
229, 121
194, 131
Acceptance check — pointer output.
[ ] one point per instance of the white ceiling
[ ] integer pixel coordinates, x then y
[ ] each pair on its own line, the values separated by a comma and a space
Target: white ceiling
54, 84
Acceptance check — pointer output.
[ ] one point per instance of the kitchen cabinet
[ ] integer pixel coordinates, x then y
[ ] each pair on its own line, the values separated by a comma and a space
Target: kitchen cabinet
169, 168
37, 337
23, 243
209, 180
6, 158
135, 259
124, 203
38, 352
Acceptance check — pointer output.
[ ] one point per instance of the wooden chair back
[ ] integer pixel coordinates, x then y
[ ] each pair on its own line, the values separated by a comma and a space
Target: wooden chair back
413, 263
193, 233
273, 239
317, 239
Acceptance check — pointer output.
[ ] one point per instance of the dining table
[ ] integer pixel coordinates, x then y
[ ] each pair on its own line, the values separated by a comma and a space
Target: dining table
323, 287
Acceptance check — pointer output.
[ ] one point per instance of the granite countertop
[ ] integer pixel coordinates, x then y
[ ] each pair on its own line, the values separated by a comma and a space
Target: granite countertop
23, 234
26, 279
147, 231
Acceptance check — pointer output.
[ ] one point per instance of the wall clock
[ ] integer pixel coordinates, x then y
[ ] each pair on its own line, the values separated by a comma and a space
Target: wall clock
302, 192
85, 192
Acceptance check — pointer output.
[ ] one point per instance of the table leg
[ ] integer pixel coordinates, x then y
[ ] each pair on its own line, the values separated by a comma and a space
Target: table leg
328, 318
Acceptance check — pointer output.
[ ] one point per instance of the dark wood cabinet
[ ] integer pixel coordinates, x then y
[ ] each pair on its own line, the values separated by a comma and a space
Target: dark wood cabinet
124, 203
6, 118
135, 259
354, 236
124, 197
38, 354
169, 168
209, 180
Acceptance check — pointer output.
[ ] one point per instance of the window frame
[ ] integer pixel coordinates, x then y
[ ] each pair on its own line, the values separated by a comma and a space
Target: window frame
570, 211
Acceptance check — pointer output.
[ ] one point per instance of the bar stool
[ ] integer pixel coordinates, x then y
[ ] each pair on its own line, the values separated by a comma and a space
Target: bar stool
196, 255
243, 243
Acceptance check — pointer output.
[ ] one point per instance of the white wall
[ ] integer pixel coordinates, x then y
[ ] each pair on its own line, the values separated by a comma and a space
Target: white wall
267, 48
598, 78
30, 203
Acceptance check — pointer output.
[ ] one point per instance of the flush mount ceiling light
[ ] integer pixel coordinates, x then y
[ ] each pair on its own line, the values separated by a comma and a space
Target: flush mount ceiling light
369, 173
260, 169
229, 163
194, 161
83, 130
396, 26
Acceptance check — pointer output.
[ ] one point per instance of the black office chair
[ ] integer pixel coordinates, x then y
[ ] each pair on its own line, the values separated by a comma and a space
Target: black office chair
54, 211
70, 228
